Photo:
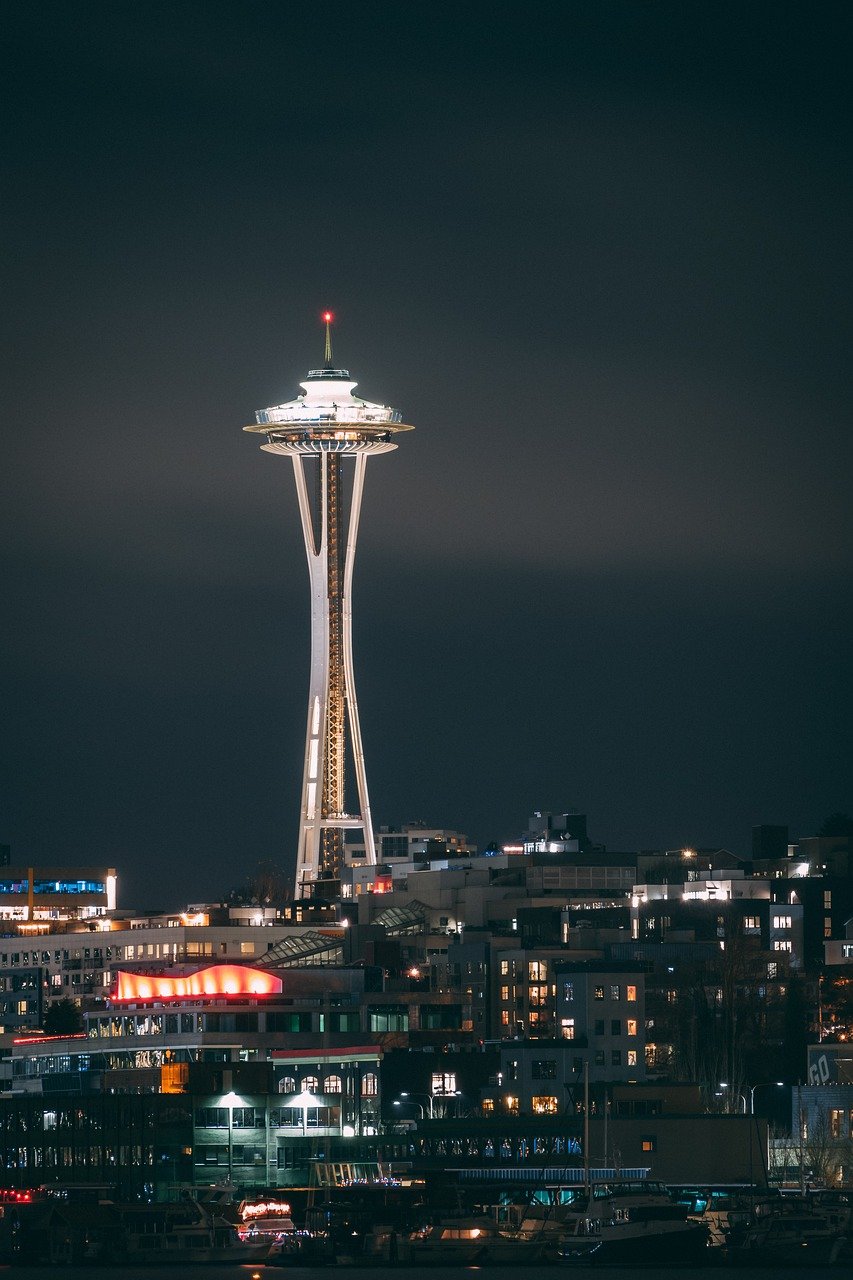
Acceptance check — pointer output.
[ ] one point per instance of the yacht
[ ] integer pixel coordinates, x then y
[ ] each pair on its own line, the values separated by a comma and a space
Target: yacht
637, 1224
192, 1234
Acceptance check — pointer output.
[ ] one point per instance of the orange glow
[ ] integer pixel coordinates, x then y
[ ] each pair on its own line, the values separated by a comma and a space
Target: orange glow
194, 917
174, 1077
216, 980
328, 317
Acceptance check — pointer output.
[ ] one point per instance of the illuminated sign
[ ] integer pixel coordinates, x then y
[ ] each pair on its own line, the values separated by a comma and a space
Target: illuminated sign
216, 980
43, 1039
265, 1209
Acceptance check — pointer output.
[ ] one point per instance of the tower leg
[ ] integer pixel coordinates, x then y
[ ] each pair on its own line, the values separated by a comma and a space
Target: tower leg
332, 722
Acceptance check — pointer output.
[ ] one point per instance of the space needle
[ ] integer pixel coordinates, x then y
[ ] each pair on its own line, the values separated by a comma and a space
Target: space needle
320, 430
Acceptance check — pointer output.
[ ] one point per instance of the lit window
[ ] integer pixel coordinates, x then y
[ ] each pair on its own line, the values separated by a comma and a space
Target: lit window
443, 1084
567, 1028
632, 1057
631, 994
781, 922
310, 1084
648, 1143
334, 1084
783, 945
544, 1105
488, 1106
537, 970
615, 991
598, 993
568, 991
632, 1026
369, 1087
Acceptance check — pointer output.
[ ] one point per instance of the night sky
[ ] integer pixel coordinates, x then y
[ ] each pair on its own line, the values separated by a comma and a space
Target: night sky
600, 260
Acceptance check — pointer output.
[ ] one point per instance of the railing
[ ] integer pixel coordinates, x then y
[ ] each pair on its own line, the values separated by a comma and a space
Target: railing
300, 413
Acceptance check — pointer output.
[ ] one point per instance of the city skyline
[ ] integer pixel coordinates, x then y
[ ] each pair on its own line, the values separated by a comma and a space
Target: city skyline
602, 264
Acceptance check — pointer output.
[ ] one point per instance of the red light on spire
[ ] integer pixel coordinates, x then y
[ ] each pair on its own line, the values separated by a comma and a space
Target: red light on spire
328, 317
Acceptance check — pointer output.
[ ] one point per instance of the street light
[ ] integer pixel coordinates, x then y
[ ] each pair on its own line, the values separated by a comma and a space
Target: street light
766, 1084
230, 1099
724, 1085
405, 1094
304, 1100
410, 1104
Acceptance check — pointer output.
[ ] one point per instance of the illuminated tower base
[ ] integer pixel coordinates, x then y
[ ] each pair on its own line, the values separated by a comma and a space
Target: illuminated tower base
320, 431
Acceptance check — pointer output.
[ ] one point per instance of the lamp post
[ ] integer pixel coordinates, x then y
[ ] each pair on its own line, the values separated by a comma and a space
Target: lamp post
410, 1104
776, 1084
229, 1099
428, 1096
740, 1096
304, 1100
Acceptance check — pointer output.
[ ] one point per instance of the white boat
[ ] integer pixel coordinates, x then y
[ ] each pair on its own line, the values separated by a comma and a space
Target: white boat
193, 1236
460, 1240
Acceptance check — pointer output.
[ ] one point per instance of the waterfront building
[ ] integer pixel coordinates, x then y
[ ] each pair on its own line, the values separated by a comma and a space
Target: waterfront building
80, 964
321, 430
33, 898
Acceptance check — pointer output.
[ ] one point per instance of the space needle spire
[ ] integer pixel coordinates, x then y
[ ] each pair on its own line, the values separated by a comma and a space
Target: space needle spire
320, 430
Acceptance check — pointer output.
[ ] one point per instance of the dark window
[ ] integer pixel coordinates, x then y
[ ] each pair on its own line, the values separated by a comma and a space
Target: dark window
615, 1027
248, 1118
544, 1069
212, 1117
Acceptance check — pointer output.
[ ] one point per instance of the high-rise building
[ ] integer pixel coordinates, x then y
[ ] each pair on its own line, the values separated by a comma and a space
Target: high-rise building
320, 430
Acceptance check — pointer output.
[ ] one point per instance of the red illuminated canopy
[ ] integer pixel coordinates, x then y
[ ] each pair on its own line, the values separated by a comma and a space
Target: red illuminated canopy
216, 980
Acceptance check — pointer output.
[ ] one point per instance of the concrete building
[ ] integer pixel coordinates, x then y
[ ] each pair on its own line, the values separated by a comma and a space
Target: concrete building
38, 896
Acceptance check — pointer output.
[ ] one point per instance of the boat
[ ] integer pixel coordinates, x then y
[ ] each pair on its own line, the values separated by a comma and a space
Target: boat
459, 1240
792, 1235
637, 1224
187, 1234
